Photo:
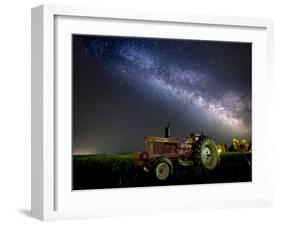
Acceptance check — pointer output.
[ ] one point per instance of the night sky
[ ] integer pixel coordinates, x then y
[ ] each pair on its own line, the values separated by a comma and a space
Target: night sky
126, 88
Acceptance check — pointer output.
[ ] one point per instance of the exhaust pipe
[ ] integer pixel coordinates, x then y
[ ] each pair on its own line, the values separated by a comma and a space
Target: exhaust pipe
168, 131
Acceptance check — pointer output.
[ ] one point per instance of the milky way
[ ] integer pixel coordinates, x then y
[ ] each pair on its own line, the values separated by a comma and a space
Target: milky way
127, 88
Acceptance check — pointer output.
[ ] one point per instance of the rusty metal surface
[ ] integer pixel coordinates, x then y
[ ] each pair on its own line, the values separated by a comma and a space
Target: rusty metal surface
163, 147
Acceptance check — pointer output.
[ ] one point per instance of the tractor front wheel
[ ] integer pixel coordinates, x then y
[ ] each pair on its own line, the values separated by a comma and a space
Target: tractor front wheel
162, 169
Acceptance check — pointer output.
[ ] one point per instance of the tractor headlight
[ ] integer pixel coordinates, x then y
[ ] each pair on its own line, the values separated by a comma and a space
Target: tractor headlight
144, 156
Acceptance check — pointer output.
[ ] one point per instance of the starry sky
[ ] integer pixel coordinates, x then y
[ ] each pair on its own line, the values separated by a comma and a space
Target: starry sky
126, 88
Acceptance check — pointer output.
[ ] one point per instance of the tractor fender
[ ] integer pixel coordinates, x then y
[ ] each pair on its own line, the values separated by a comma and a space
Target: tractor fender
155, 162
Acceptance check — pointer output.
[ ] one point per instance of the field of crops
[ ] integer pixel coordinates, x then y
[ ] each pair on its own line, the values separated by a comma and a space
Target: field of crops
117, 170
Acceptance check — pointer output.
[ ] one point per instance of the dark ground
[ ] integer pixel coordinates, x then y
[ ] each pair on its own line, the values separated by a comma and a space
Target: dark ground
117, 170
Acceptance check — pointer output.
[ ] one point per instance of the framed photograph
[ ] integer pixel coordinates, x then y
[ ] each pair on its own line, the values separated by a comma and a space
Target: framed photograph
137, 112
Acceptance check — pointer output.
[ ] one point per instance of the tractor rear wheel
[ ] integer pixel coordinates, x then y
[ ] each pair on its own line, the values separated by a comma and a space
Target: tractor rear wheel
205, 155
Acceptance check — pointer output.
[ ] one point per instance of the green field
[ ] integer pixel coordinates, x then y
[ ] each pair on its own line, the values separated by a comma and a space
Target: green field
117, 170
116, 163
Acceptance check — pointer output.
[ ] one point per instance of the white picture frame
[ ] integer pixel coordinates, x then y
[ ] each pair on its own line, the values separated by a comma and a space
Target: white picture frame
52, 197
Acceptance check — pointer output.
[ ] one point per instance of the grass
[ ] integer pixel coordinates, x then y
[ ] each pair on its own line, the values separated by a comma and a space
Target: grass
114, 162
102, 170
117, 170
102, 157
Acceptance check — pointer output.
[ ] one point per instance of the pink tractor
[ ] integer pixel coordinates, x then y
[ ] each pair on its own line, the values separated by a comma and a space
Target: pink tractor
161, 154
